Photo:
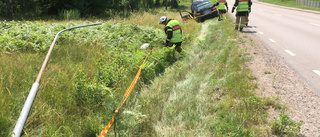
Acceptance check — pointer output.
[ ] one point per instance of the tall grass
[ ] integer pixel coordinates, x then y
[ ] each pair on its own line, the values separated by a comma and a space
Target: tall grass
87, 74
52, 103
69, 14
152, 19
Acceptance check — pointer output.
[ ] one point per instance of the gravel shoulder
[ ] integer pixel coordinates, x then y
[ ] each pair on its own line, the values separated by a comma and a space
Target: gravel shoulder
284, 85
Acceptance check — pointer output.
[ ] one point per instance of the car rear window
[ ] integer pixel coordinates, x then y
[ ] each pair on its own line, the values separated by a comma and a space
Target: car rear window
205, 5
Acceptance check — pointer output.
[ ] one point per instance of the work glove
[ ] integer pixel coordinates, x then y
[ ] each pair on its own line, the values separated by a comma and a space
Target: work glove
232, 10
165, 43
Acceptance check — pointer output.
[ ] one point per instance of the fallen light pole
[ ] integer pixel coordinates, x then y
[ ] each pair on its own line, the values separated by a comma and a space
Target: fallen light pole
27, 105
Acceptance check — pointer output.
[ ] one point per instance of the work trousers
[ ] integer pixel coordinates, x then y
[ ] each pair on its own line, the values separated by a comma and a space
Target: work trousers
240, 21
247, 19
221, 12
177, 47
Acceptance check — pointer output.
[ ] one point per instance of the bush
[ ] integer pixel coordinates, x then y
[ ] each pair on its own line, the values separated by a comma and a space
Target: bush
285, 126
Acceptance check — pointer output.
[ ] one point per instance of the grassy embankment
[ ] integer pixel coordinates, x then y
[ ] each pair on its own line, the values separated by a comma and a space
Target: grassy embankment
209, 92
291, 3
88, 72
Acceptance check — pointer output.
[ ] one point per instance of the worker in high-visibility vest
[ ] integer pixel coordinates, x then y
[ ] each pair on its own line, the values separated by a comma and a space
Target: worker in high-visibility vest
243, 8
222, 7
173, 31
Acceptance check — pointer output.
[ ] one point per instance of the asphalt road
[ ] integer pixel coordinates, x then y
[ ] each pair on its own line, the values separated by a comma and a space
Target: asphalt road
292, 34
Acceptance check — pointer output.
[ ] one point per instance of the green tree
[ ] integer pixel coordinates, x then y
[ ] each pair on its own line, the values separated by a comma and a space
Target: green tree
9, 9
33, 9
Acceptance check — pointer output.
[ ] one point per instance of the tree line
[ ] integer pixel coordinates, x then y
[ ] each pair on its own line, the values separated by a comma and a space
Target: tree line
23, 9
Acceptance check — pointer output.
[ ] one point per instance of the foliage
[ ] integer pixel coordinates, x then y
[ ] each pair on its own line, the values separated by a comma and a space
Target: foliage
37, 36
35, 9
208, 93
69, 14
285, 126
87, 76
205, 91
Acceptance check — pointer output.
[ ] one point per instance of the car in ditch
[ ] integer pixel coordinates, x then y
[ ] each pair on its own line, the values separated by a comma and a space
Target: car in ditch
201, 10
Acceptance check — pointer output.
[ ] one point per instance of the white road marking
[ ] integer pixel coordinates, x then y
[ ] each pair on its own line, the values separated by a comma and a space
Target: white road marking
260, 32
289, 52
317, 72
272, 40
314, 24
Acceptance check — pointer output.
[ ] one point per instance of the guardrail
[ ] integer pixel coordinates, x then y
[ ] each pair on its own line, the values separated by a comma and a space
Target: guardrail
309, 3
27, 105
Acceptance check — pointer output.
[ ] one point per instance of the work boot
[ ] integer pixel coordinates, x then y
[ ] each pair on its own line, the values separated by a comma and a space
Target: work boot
178, 49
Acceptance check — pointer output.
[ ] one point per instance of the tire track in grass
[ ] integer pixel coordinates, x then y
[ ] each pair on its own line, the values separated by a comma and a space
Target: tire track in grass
187, 98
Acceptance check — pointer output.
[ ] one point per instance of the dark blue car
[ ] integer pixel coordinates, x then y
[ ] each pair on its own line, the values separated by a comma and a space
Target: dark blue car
201, 10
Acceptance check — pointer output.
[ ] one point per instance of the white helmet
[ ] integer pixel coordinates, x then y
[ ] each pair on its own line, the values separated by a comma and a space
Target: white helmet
162, 19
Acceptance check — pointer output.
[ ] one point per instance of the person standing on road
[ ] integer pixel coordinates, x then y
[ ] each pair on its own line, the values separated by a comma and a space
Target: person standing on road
222, 4
243, 8
173, 31
247, 18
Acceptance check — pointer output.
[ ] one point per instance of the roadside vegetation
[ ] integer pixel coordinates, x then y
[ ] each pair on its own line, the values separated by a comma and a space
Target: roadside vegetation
291, 3
61, 9
205, 91
208, 93
88, 72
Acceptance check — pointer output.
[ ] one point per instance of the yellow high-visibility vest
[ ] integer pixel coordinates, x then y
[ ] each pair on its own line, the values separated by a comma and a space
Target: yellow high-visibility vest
243, 6
221, 5
174, 26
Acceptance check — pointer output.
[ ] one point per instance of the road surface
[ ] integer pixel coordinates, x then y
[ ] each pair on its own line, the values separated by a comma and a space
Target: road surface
291, 34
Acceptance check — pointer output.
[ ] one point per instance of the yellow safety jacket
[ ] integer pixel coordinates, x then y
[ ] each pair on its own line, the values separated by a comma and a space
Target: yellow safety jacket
174, 26
243, 6
221, 5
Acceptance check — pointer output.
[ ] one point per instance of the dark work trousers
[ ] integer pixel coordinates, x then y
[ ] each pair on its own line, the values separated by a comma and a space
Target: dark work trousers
221, 12
241, 18
177, 47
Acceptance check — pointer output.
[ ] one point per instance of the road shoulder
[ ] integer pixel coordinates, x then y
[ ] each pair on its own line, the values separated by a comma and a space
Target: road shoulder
282, 84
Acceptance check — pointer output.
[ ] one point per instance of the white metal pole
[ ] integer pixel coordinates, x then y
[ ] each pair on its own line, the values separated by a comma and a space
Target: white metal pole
27, 105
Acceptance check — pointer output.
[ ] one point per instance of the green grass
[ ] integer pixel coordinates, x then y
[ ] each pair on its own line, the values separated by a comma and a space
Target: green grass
88, 72
209, 93
285, 127
290, 3
206, 91
69, 14
83, 81
52, 102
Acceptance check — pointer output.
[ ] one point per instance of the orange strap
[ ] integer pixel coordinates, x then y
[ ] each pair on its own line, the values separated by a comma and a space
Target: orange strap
125, 97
